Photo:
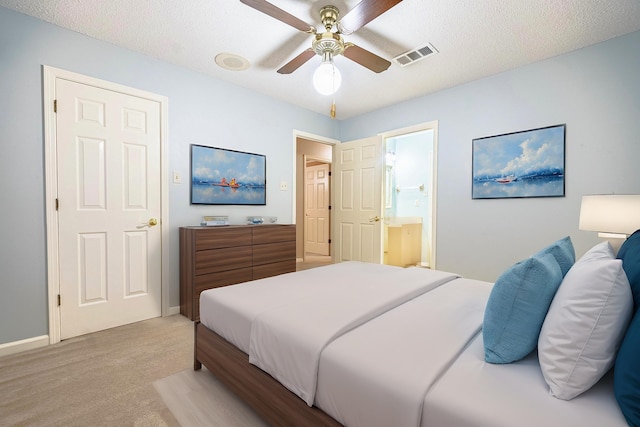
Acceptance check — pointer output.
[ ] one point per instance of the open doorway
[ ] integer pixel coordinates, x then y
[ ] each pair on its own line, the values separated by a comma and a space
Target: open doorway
313, 195
409, 196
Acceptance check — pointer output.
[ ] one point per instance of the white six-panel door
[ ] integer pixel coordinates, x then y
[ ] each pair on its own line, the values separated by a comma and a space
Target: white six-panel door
317, 209
357, 190
108, 168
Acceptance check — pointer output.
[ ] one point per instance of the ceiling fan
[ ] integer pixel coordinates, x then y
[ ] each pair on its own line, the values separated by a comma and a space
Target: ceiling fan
326, 43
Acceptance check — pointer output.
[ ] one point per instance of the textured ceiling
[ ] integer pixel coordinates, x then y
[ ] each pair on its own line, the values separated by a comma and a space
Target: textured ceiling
474, 39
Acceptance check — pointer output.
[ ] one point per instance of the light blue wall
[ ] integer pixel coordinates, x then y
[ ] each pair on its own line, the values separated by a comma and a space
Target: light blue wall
202, 110
595, 91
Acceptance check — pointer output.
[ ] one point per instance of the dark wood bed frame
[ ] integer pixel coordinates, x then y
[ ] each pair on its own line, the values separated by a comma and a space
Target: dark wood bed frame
271, 400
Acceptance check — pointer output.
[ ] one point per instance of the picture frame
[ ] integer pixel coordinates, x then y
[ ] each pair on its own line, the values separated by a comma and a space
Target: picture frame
220, 176
529, 163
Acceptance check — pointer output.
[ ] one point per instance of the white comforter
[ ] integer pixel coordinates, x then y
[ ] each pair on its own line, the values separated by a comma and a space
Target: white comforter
287, 340
378, 374
474, 393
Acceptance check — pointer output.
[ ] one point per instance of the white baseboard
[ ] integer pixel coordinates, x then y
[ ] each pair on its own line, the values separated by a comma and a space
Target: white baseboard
43, 341
24, 345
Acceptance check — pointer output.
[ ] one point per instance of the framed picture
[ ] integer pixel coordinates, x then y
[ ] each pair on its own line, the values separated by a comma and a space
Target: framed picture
227, 177
528, 163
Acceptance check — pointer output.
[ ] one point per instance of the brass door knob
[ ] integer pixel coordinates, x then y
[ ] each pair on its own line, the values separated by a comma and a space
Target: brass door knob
375, 219
152, 222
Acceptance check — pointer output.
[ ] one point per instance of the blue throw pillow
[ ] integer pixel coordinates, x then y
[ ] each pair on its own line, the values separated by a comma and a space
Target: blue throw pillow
517, 306
626, 373
563, 252
629, 253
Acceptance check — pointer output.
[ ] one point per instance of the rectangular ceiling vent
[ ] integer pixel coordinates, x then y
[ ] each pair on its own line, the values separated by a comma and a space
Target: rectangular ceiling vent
415, 55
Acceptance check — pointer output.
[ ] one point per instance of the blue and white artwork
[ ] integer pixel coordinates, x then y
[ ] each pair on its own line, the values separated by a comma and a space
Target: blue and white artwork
520, 164
227, 177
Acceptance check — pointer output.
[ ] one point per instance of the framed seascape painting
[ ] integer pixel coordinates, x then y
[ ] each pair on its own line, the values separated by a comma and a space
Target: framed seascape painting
520, 164
226, 177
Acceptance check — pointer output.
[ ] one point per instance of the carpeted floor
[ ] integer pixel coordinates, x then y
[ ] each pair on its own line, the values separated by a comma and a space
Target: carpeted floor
101, 379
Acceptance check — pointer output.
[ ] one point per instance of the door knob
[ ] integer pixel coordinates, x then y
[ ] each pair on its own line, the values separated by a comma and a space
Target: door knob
375, 219
152, 222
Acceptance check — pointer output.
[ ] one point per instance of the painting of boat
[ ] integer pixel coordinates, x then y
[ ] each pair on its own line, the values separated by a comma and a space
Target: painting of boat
528, 163
224, 183
227, 177
506, 179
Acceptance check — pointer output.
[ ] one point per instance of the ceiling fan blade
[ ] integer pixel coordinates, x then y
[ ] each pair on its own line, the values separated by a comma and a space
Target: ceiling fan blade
296, 62
363, 13
365, 58
279, 14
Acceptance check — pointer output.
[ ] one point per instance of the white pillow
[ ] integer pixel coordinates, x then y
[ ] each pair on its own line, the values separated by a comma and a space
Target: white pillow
585, 324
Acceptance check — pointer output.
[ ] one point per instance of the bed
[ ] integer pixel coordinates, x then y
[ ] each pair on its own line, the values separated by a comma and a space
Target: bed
362, 344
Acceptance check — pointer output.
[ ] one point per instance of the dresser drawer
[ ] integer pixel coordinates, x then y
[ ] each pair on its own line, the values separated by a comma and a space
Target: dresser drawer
222, 237
273, 233
274, 252
215, 260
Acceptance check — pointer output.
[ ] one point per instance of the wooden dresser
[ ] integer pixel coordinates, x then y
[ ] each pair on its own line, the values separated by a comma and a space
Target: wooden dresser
211, 257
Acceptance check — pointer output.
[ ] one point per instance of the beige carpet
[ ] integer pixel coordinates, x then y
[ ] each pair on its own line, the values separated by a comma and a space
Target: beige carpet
100, 379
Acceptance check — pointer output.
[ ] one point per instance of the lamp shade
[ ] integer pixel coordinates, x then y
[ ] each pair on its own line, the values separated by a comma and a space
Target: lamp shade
610, 213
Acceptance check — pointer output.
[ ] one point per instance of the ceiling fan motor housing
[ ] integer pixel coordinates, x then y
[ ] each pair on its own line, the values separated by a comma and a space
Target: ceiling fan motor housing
328, 43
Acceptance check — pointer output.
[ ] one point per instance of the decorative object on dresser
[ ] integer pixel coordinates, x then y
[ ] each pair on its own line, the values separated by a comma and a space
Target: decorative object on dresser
211, 257
214, 220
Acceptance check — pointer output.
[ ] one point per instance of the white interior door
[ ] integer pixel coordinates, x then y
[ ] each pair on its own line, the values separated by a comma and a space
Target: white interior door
357, 191
108, 170
317, 209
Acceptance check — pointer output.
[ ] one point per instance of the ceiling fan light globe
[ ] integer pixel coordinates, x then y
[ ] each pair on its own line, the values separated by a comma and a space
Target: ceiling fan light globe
327, 79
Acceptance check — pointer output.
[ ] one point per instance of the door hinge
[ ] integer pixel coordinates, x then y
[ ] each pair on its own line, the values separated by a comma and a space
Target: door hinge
59, 300
57, 204
329, 173
329, 207
329, 240
55, 105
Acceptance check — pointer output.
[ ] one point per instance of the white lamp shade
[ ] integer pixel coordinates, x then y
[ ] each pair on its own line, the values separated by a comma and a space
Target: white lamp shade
327, 79
610, 213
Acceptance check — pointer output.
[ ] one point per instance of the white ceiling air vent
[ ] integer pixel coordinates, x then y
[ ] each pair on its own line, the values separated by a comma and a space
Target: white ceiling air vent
415, 55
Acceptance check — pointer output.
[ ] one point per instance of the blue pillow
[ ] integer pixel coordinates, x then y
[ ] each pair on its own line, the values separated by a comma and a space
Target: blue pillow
626, 373
517, 306
563, 252
629, 253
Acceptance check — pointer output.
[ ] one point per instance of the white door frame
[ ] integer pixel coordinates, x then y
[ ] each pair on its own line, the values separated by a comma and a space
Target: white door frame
50, 74
433, 125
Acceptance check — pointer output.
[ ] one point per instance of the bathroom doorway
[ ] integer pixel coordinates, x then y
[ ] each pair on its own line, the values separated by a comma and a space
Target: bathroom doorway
409, 196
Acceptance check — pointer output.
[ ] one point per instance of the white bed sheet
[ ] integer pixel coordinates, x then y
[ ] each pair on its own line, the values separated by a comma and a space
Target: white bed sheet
473, 393
230, 310
378, 374
287, 340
